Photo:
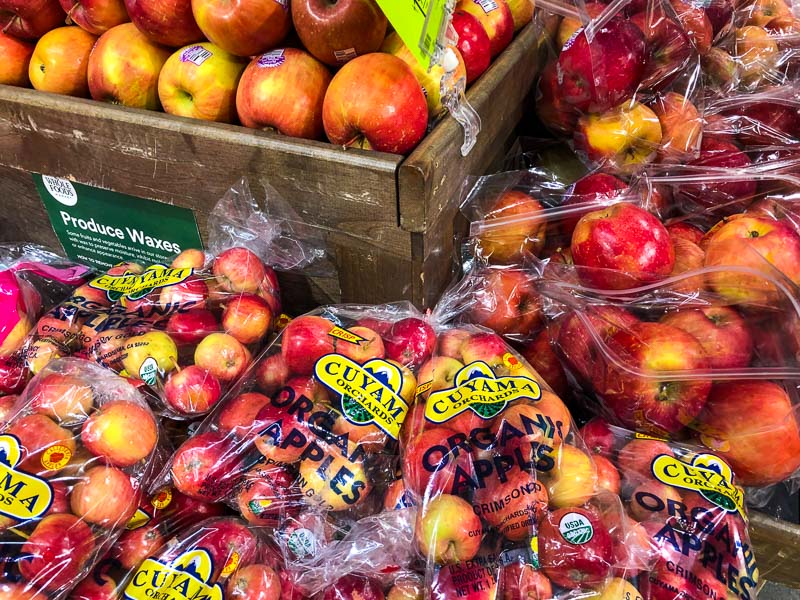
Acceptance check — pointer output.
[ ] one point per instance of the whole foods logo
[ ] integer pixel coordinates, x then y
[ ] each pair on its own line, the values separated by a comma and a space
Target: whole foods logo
22, 496
187, 577
133, 286
370, 393
477, 388
576, 528
704, 473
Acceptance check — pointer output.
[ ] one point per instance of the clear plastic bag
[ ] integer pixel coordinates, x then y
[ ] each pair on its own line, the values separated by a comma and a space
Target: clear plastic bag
75, 469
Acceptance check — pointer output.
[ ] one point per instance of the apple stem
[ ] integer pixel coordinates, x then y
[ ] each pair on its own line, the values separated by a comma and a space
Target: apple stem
10, 22
69, 14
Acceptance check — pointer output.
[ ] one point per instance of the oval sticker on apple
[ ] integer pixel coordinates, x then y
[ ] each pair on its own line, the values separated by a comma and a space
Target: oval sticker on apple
576, 528
271, 59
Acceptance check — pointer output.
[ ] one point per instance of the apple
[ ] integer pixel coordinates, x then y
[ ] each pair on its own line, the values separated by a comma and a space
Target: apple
575, 548
94, 588
7, 404
607, 475
205, 466
354, 587
229, 542
616, 588
681, 125
63, 540
430, 464
621, 246
720, 154
447, 530
200, 81
397, 496
506, 301
598, 75
598, 437
254, 582
491, 349
745, 421
407, 587
60, 61
764, 123
23, 19
239, 413
337, 33
17, 55
653, 500
271, 374
669, 50
635, 460
360, 109
513, 226
473, 44
576, 337
134, 546
434, 81
449, 582
552, 109
243, 28
687, 231
721, 331
719, 67
192, 292
633, 390
689, 257
695, 23
166, 22
284, 90
267, 495
573, 479
282, 436
304, 341
37, 434
65, 398
191, 258
757, 54
521, 12
334, 482
496, 18
752, 242
248, 318
586, 193
527, 424
95, 16
104, 496
223, 356
410, 342
511, 503
192, 326
673, 574
239, 270
150, 355
541, 356
761, 12
192, 391
624, 135
523, 581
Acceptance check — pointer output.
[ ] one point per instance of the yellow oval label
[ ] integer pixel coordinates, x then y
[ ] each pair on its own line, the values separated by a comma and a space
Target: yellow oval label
131, 284
56, 457
188, 577
22, 496
161, 499
477, 388
511, 361
231, 565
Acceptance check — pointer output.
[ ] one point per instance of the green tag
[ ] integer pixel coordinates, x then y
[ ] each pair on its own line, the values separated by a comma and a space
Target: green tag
418, 23
102, 228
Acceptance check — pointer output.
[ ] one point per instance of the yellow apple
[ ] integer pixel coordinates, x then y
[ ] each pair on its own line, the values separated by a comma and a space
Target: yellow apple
150, 354
572, 481
60, 60
626, 135
757, 53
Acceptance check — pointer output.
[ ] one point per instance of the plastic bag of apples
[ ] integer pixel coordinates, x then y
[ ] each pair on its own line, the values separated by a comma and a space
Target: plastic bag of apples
711, 355
158, 519
623, 80
79, 447
32, 279
685, 515
186, 331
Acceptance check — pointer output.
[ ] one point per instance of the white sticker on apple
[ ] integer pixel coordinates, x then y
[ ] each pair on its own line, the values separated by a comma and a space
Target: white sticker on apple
61, 189
576, 528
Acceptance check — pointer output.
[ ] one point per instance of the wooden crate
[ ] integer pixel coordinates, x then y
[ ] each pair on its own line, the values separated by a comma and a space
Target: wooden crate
389, 220
777, 548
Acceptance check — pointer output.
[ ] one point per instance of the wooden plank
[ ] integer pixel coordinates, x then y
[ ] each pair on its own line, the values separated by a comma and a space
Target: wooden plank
777, 549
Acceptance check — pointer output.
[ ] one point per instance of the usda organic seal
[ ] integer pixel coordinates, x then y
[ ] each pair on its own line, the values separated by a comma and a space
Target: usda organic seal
576, 528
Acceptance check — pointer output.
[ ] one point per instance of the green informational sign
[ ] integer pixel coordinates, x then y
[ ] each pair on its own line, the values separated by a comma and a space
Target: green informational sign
418, 23
101, 228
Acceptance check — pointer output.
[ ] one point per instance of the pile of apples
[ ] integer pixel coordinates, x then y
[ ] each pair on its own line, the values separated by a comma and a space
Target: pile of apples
73, 471
187, 341
307, 70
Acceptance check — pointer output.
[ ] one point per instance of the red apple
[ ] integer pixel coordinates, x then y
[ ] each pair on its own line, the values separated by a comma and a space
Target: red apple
575, 548
431, 464
653, 500
513, 227
37, 434
271, 374
205, 466
167, 22
239, 270
447, 530
267, 495
192, 390
668, 48
407, 587
304, 341
190, 327
506, 301
635, 460
600, 74
573, 479
337, 33
58, 549
238, 414
375, 102
621, 246
13, 375
17, 53
541, 356
284, 90
523, 581
496, 19
598, 437
254, 582
230, 543
96, 16
721, 331
192, 292
473, 43
30, 20
511, 503
410, 342
248, 318
134, 546
746, 421
354, 587
551, 108
607, 475
687, 231
695, 23
223, 356
105, 496
726, 195
65, 398
589, 191
243, 28
121, 432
